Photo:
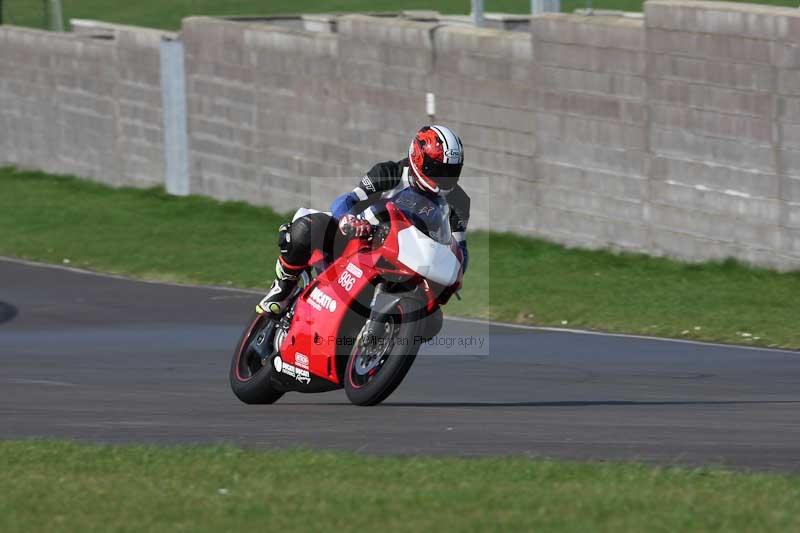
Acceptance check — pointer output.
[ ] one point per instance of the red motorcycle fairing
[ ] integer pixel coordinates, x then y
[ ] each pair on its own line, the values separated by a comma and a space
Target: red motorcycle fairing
308, 354
310, 347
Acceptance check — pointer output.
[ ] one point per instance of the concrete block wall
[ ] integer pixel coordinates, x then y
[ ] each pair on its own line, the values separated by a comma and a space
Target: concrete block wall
140, 127
675, 135
721, 130
484, 91
264, 113
591, 164
79, 105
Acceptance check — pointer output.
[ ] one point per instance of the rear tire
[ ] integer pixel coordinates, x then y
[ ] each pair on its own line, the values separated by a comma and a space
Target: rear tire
397, 362
250, 381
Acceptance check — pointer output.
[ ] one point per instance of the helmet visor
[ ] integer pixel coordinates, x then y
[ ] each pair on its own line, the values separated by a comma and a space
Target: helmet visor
446, 176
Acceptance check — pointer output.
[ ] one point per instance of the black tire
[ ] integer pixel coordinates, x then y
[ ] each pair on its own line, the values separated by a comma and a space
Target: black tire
397, 362
250, 382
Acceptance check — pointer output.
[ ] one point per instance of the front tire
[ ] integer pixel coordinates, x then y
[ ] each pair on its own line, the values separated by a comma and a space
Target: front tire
371, 377
250, 380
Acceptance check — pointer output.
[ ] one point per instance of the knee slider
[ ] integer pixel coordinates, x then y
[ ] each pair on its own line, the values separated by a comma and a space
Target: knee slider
285, 238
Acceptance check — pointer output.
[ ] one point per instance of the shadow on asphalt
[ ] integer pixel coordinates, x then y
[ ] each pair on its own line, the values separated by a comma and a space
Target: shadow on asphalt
7, 312
590, 403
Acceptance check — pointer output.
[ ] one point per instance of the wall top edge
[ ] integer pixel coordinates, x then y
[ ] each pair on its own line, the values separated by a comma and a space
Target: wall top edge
600, 20
100, 25
739, 7
255, 25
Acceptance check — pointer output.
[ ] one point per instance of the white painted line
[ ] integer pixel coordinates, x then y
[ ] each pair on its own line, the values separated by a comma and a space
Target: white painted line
127, 278
449, 318
619, 335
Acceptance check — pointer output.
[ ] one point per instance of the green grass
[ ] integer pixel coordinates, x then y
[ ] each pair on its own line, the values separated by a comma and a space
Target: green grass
146, 233
167, 14
46, 486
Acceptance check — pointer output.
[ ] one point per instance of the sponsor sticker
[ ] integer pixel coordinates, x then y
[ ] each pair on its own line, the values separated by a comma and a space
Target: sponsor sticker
367, 184
453, 153
354, 270
302, 376
289, 370
301, 360
319, 300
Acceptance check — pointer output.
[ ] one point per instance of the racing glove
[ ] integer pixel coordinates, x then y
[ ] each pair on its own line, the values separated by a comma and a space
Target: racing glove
352, 226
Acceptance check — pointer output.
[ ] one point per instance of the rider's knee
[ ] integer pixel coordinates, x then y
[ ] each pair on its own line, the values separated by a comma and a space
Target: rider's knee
294, 241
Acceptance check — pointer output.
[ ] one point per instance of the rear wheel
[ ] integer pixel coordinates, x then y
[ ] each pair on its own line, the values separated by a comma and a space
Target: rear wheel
377, 366
251, 369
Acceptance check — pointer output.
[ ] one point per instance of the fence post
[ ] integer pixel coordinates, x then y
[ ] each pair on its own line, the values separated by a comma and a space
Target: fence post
545, 6
173, 98
477, 13
56, 16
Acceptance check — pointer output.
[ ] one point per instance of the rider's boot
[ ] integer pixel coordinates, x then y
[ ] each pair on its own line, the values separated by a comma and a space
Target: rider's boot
285, 282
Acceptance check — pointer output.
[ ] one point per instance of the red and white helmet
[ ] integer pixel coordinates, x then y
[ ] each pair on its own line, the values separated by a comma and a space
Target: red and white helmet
436, 156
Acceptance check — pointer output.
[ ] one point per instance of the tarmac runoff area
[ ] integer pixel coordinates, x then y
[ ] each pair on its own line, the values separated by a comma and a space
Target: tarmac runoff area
102, 358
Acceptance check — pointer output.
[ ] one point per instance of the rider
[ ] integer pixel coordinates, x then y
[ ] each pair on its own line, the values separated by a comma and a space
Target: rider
433, 166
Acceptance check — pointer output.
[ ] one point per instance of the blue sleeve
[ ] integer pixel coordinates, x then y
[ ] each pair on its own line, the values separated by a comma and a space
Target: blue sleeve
343, 204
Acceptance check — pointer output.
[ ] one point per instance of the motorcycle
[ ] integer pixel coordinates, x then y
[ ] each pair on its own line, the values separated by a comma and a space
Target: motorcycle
356, 321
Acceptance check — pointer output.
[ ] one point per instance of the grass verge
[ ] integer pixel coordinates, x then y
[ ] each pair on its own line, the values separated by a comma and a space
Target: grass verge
70, 487
167, 14
146, 233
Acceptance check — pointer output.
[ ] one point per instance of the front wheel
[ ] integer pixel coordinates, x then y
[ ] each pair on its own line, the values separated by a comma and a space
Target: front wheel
250, 377
377, 366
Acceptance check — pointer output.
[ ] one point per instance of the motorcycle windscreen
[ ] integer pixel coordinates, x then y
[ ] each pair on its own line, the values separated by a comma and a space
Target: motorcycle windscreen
430, 259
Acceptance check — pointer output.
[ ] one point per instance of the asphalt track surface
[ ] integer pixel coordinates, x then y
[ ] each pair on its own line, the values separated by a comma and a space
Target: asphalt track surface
113, 360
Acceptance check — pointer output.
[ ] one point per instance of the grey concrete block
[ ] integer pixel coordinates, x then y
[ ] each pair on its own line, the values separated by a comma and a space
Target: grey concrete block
753, 76
790, 161
600, 32
710, 97
789, 82
785, 55
575, 228
591, 180
759, 22
500, 93
710, 46
600, 106
568, 79
791, 198
484, 114
591, 204
684, 144
790, 135
589, 58
743, 207
707, 175
788, 109
712, 123
624, 162
715, 227
591, 131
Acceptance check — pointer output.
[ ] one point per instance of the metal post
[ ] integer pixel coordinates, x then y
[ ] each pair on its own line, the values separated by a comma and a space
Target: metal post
545, 6
56, 16
173, 98
477, 13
